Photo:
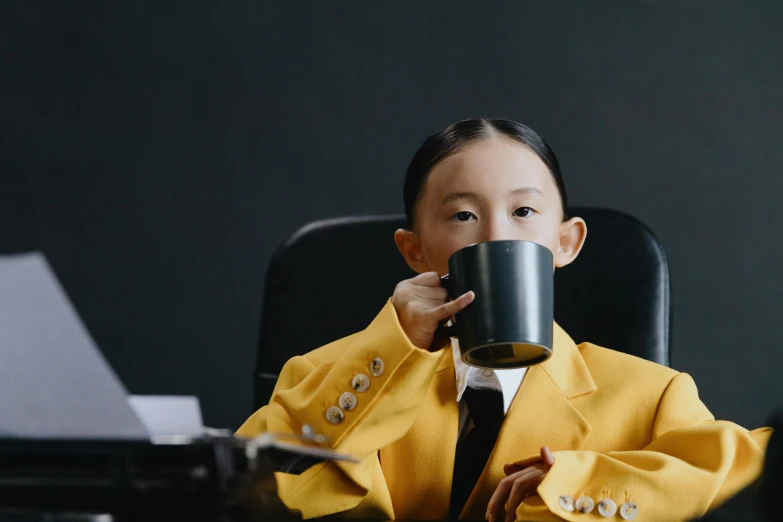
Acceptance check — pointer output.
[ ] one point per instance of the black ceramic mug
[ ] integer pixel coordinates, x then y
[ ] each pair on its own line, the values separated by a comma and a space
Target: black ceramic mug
509, 324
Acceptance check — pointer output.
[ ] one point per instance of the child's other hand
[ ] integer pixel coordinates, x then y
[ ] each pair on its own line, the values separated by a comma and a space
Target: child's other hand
422, 305
520, 482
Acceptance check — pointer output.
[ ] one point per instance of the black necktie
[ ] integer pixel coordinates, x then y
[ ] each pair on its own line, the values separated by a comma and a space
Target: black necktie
486, 410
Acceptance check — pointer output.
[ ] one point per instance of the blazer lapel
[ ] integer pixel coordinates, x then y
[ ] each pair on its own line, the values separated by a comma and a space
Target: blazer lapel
540, 415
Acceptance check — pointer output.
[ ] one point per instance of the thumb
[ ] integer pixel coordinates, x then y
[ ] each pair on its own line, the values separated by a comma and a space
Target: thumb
547, 457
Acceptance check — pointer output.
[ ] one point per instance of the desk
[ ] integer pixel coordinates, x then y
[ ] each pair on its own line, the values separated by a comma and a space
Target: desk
202, 480
205, 481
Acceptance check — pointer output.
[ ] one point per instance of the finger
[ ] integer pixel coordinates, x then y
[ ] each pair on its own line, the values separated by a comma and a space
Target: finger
431, 279
429, 292
547, 457
407, 302
521, 489
508, 469
496, 506
425, 309
449, 309
515, 497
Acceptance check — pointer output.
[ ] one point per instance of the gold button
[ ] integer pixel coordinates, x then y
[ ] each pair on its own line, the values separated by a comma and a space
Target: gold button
334, 415
566, 503
347, 401
360, 382
376, 367
607, 507
585, 504
629, 510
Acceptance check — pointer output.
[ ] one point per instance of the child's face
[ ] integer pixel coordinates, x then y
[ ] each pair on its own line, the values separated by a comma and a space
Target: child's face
493, 189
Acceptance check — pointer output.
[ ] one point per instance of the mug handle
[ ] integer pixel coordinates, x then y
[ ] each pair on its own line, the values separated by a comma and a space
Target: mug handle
444, 330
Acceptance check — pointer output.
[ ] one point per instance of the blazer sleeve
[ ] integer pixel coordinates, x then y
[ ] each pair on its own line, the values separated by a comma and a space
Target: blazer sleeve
382, 414
692, 464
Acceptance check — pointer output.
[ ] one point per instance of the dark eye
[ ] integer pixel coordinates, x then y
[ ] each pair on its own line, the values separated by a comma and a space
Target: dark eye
463, 216
523, 211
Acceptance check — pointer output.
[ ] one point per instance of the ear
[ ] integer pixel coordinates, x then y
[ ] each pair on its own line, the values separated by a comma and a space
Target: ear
409, 245
572, 237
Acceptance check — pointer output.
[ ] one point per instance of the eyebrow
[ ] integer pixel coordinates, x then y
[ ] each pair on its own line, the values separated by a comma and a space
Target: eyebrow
454, 196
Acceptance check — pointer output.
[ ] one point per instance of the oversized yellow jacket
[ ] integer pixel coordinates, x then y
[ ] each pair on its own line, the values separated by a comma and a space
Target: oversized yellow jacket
620, 427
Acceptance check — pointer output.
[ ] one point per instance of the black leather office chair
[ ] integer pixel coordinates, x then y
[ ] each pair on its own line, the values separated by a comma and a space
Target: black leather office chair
332, 277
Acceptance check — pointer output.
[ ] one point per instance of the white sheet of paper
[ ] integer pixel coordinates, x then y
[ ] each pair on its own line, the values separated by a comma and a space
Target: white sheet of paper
54, 381
168, 414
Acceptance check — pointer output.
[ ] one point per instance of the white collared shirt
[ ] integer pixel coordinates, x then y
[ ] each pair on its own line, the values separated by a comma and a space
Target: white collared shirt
505, 381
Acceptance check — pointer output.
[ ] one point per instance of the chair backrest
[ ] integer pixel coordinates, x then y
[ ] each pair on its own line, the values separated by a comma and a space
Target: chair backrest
332, 277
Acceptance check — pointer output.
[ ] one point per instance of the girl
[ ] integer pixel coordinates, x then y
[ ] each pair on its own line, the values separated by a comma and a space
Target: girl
588, 433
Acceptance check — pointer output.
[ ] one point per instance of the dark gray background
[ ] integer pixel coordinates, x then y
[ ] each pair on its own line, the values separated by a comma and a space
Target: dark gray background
158, 153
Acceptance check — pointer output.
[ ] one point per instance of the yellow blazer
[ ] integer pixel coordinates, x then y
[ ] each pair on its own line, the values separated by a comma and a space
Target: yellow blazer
620, 427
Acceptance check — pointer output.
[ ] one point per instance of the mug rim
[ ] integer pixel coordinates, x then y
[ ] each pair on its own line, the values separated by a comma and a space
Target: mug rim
494, 242
546, 353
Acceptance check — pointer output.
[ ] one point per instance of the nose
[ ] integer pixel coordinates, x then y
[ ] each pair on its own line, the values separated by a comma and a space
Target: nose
496, 229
